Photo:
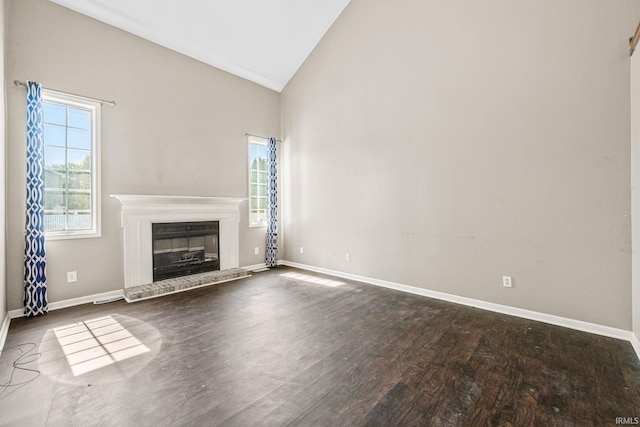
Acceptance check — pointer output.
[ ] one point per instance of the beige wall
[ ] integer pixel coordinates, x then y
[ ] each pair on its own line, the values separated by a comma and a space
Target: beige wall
444, 144
3, 147
178, 129
635, 187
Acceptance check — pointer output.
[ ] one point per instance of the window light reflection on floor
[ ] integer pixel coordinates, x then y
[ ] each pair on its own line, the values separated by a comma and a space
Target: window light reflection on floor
313, 279
97, 343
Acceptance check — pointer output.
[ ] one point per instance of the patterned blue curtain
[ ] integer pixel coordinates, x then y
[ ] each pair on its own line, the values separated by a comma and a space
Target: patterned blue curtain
272, 206
35, 280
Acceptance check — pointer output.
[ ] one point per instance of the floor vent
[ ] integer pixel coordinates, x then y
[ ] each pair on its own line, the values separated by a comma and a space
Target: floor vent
108, 300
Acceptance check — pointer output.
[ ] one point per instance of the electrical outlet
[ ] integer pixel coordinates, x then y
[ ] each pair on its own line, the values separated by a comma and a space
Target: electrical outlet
506, 282
256, 251
347, 257
301, 250
72, 276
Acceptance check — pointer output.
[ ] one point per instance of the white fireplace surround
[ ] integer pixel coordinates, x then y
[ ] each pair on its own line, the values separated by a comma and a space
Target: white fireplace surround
140, 211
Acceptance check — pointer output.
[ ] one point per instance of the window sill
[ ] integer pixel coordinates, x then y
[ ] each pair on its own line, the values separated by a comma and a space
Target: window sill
72, 235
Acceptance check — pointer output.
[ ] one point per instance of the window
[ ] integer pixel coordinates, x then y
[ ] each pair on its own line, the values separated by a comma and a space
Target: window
71, 166
258, 165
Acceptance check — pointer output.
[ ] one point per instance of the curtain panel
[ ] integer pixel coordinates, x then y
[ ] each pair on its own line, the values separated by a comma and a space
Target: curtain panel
272, 206
35, 280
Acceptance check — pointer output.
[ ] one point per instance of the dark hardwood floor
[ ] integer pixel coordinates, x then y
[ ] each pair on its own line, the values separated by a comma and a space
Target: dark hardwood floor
289, 347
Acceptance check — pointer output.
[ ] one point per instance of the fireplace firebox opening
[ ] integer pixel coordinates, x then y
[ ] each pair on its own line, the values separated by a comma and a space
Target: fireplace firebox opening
184, 248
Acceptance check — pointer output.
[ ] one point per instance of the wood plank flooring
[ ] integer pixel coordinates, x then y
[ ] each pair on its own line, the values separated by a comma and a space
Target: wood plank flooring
289, 347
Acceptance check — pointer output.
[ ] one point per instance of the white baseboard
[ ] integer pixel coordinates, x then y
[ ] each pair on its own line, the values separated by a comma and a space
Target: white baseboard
73, 302
635, 342
4, 331
498, 308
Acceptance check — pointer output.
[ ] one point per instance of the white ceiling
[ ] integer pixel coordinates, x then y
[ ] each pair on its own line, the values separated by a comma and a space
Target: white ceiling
259, 40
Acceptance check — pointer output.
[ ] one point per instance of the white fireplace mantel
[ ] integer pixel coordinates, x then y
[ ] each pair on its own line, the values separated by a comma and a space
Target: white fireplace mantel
139, 212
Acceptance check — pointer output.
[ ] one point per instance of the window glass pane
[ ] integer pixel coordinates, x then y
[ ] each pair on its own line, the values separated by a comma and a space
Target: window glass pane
54, 201
79, 159
79, 220
79, 118
54, 180
55, 135
79, 202
257, 181
54, 221
79, 180
69, 157
79, 138
54, 159
54, 113
254, 151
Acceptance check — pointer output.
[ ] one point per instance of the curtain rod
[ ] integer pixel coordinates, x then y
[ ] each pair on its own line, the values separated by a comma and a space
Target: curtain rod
258, 136
101, 101
633, 41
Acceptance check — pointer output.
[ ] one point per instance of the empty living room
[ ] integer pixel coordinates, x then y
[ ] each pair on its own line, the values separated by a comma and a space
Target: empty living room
320, 213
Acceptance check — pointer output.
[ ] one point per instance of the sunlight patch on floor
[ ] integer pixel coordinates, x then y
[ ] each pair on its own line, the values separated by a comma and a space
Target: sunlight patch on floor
312, 279
94, 344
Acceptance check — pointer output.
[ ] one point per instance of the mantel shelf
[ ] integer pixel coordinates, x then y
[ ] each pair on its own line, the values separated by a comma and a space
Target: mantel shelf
154, 200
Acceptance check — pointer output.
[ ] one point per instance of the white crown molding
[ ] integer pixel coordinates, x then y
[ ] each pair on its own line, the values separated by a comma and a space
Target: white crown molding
222, 34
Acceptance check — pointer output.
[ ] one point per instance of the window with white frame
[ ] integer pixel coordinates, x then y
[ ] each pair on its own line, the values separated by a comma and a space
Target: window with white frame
71, 166
258, 166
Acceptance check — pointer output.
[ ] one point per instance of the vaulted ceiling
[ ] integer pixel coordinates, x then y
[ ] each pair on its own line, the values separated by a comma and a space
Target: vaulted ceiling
259, 40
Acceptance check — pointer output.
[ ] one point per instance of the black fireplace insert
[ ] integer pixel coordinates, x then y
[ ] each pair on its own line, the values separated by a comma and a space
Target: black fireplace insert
184, 248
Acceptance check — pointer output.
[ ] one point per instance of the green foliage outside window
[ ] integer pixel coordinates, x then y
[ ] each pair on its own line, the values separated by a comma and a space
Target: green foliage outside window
68, 167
